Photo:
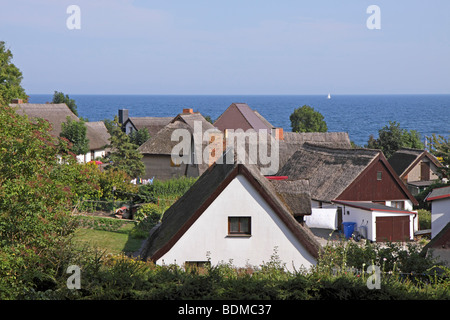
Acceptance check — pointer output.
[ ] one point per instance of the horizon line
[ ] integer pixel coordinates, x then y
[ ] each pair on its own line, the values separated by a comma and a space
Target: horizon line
241, 94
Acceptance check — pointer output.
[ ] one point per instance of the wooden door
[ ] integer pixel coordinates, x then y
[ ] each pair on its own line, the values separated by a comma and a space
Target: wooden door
392, 228
424, 171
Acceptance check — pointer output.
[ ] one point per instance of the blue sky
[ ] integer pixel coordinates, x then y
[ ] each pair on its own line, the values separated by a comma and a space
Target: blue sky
229, 47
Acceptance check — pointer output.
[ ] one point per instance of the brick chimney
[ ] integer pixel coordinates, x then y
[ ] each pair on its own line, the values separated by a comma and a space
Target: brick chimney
188, 110
17, 100
279, 134
123, 115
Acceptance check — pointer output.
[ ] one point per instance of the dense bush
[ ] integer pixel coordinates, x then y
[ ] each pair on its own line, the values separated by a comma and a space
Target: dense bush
165, 191
121, 277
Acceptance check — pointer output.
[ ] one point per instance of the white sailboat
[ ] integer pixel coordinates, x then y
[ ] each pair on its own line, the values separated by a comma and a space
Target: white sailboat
329, 96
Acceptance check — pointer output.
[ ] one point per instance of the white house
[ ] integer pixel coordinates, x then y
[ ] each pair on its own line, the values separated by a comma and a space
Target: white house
382, 223
56, 114
232, 213
440, 209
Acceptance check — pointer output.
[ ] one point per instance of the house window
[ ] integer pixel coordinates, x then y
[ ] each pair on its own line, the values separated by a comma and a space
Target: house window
379, 175
240, 226
195, 265
398, 204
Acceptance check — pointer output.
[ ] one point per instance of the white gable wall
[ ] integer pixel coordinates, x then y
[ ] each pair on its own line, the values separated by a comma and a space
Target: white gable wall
208, 236
440, 215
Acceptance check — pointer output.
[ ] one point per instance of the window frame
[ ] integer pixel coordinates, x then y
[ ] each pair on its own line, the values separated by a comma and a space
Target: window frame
240, 233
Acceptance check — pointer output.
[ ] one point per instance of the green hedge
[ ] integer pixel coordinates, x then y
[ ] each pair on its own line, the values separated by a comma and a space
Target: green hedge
120, 277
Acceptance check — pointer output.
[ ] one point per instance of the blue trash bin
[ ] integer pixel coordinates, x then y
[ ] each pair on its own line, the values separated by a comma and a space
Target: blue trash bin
348, 228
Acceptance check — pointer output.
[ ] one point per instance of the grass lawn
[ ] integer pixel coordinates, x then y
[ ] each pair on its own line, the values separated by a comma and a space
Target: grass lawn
114, 240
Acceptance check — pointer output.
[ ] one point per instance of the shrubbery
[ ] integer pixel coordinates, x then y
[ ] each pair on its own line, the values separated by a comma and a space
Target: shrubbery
120, 277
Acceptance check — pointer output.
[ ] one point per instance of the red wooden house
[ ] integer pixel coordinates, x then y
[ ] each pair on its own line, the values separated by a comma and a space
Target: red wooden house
352, 181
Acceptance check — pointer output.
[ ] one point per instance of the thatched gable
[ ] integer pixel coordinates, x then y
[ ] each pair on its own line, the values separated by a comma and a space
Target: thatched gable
57, 113
329, 170
295, 195
183, 213
162, 142
152, 124
97, 135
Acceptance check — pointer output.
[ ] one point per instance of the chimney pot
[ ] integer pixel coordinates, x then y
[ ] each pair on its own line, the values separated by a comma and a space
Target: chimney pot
279, 134
188, 110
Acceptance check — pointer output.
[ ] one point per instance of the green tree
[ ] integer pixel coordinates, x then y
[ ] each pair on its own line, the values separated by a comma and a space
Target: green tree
59, 97
139, 137
124, 154
209, 119
10, 78
392, 137
440, 147
32, 203
306, 119
75, 132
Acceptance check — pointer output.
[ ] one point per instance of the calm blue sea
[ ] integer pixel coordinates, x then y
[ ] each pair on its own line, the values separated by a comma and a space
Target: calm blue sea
359, 115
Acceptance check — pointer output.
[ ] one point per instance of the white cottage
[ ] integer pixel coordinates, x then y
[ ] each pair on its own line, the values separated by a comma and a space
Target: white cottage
56, 114
232, 213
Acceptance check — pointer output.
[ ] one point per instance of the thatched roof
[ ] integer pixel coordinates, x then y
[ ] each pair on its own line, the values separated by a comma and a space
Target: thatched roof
404, 159
295, 195
183, 213
241, 116
161, 143
329, 170
57, 113
152, 124
191, 118
97, 134
293, 141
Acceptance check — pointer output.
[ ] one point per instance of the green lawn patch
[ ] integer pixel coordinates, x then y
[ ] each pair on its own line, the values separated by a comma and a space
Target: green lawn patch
107, 234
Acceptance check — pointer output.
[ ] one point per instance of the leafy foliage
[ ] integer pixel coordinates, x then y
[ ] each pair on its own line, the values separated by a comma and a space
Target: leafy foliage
75, 132
139, 137
392, 137
124, 154
440, 147
170, 189
306, 119
10, 78
59, 97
